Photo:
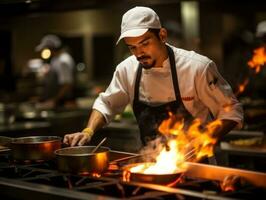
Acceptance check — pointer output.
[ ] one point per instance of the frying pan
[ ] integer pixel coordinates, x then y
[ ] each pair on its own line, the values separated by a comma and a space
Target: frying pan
80, 159
163, 179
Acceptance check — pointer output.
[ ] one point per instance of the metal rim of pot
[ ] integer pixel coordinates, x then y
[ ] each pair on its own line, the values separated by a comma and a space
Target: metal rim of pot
78, 159
35, 139
164, 179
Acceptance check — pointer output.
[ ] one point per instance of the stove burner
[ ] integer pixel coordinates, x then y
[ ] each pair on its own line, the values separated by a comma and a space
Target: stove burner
41, 178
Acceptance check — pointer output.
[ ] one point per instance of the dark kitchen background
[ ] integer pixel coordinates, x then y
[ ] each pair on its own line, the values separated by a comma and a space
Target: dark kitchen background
223, 30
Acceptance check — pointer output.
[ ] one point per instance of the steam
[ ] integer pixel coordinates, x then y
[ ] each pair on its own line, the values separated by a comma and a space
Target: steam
152, 149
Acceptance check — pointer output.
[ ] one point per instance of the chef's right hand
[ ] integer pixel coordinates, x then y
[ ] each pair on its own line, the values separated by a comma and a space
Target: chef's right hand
79, 138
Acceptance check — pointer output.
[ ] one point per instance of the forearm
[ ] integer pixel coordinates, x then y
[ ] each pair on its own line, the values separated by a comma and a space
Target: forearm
226, 127
96, 120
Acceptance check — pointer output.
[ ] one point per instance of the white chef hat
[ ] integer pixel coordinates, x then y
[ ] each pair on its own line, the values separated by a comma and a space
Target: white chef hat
137, 21
261, 29
49, 41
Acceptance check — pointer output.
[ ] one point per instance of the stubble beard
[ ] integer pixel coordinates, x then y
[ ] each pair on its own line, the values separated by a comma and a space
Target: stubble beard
145, 65
148, 66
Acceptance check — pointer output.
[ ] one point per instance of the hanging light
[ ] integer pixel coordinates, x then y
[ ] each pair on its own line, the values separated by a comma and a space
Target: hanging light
46, 53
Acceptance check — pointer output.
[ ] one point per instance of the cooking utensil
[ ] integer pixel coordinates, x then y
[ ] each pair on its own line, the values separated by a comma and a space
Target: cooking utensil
125, 158
80, 159
163, 179
35, 147
130, 157
97, 147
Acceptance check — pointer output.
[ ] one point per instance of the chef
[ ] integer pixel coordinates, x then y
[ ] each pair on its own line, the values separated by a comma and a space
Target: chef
159, 78
59, 74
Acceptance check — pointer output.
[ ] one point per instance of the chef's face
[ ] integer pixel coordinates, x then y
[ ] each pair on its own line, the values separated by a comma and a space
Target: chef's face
148, 48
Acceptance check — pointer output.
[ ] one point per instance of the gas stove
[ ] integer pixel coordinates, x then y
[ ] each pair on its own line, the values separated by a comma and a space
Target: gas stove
42, 180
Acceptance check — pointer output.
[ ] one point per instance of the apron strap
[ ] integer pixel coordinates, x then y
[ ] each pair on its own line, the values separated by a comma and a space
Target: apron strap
174, 74
137, 83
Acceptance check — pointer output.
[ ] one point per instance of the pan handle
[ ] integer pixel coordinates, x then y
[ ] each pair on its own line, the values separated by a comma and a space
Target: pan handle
133, 156
125, 158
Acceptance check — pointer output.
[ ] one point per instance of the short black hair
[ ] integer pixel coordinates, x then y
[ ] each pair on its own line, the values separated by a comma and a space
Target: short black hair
155, 31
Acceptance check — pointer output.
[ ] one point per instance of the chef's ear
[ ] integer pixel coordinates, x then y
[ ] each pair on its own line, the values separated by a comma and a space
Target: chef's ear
163, 35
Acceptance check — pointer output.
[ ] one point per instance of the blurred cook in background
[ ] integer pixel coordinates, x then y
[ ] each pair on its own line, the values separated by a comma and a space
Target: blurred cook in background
58, 72
261, 32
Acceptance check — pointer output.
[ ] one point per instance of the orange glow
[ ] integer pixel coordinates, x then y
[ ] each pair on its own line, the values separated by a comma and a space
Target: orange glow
126, 175
47, 146
179, 180
227, 108
113, 167
228, 189
230, 183
191, 144
258, 60
84, 173
242, 87
96, 175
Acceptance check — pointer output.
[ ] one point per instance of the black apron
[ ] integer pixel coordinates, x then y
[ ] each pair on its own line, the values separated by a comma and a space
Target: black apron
149, 117
50, 85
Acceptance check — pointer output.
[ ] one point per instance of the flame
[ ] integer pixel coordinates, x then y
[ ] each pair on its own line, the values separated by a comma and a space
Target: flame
258, 59
96, 175
201, 140
242, 87
166, 162
231, 182
256, 63
183, 145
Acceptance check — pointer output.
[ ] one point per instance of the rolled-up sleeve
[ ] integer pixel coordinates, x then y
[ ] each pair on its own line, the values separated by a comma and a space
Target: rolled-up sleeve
218, 96
115, 98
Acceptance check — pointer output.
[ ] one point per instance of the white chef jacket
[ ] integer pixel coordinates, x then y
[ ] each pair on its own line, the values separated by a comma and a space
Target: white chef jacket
61, 71
63, 65
204, 92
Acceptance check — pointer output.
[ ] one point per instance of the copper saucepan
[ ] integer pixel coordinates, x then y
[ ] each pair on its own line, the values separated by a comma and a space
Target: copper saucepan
163, 179
80, 159
32, 147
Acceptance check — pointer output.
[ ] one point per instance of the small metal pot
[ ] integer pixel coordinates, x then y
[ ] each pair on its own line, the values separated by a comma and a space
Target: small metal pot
80, 159
163, 179
5, 146
35, 147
